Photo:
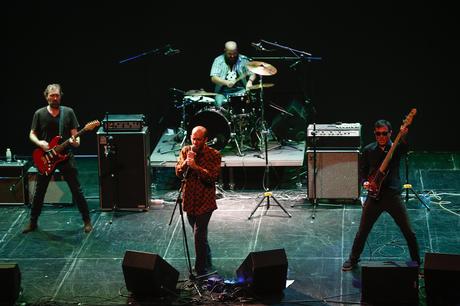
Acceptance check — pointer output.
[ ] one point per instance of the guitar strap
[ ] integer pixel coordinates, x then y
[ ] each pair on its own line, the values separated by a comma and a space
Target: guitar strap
61, 120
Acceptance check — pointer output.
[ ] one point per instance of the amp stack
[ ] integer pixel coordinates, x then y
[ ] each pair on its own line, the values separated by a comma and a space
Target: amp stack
124, 162
333, 151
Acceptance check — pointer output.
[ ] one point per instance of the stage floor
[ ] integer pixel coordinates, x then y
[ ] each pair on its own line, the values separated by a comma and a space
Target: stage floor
60, 265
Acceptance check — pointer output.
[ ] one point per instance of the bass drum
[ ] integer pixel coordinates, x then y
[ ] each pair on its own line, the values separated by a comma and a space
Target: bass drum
217, 122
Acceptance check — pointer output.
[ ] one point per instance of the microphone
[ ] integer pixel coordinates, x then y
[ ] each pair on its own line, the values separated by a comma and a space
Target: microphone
258, 46
194, 149
171, 51
213, 141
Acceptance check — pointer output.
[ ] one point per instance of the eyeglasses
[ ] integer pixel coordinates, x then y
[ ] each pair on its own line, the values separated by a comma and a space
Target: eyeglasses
381, 133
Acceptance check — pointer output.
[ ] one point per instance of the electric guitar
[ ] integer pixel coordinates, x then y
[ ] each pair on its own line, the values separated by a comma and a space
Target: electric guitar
46, 161
376, 179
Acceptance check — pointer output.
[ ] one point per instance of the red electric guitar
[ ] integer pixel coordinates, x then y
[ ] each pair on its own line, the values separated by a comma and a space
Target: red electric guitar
46, 161
377, 178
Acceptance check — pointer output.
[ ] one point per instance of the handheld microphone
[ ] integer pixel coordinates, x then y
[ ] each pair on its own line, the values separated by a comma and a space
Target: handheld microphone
194, 149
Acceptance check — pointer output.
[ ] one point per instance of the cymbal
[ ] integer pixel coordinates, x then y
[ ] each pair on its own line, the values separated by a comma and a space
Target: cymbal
261, 68
199, 92
258, 86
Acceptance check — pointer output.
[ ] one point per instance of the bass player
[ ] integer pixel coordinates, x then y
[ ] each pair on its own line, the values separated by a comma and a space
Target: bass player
373, 157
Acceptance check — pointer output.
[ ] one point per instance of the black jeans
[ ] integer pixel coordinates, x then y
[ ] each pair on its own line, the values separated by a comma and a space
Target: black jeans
199, 225
69, 170
390, 201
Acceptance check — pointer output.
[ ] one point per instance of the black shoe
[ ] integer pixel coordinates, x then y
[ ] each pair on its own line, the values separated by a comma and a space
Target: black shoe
349, 265
32, 226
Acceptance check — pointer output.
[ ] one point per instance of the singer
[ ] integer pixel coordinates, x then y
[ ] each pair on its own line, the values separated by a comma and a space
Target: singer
199, 165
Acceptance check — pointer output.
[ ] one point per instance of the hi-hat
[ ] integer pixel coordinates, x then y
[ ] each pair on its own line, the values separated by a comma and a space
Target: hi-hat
261, 68
199, 92
259, 86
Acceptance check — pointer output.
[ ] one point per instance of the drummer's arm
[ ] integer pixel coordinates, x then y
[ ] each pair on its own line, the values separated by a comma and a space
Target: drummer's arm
252, 78
220, 81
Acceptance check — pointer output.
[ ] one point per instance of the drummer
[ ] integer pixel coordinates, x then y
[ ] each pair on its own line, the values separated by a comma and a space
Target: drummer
230, 74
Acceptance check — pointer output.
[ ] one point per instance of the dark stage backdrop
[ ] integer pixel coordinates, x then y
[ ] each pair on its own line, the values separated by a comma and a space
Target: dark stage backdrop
377, 62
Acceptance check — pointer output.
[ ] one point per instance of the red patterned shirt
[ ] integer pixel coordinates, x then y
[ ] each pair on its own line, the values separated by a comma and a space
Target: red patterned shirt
199, 192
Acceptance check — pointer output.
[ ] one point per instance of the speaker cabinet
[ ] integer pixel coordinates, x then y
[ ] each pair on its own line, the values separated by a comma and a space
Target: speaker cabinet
124, 169
389, 283
146, 274
337, 174
442, 279
264, 271
10, 283
58, 191
13, 187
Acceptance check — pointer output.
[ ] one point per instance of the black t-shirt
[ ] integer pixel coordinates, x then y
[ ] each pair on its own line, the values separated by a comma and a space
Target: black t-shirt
47, 127
371, 159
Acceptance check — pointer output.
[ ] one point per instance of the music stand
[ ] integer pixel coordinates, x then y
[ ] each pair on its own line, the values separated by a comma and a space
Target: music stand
265, 69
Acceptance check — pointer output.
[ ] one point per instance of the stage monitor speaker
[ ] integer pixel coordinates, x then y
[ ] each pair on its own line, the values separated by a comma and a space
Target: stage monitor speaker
264, 271
13, 187
337, 175
10, 283
124, 169
389, 283
442, 279
148, 274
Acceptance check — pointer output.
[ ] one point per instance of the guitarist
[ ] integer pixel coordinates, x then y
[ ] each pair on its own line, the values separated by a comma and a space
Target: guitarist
389, 198
46, 124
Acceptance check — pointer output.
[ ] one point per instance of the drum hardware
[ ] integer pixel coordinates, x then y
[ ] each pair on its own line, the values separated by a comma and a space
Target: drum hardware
199, 92
264, 69
259, 86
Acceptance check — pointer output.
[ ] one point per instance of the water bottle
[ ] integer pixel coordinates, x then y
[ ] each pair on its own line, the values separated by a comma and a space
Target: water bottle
8, 155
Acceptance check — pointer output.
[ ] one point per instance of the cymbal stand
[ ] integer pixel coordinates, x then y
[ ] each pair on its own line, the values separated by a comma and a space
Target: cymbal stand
267, 193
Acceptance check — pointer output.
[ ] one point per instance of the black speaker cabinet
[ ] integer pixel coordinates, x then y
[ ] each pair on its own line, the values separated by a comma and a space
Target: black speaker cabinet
264, 271
124, 169
442, 279
10, 283
146, 274
389, 283
337, 175
13, 183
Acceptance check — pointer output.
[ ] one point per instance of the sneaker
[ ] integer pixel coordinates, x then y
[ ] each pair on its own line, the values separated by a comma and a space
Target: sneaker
349, 265
88, 227
32, 226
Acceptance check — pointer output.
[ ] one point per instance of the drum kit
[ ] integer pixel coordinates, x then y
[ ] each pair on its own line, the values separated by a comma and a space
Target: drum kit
236, 121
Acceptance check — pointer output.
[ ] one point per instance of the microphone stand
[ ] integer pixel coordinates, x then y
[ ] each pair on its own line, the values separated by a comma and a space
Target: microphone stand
153, 51
110, 153
184, 232
408, 186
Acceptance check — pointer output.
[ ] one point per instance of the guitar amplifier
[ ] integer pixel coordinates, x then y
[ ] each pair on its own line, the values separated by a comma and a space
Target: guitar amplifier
345, 136
13, 186
123, 122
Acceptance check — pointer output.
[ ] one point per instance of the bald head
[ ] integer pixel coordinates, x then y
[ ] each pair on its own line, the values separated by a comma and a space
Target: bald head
230, 46
198, 138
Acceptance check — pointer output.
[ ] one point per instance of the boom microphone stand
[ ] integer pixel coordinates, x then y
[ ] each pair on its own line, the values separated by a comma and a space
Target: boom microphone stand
267, 194
110, 152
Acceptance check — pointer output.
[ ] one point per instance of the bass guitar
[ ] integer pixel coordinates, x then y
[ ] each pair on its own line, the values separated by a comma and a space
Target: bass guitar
46, 161
376, 179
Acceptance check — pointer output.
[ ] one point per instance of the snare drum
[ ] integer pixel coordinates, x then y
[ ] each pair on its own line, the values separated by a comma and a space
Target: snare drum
239, 103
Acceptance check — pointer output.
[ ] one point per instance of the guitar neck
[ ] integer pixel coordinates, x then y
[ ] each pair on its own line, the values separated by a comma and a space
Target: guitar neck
60, 147
386, 161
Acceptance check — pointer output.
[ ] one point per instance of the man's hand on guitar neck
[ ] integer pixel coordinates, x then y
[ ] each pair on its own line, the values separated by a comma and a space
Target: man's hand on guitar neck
74, 141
